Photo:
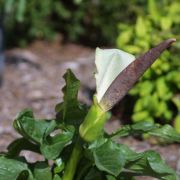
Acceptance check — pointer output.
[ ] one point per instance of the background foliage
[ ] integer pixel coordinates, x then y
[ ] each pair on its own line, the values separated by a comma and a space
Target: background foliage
156, 93
133, 26
79, 20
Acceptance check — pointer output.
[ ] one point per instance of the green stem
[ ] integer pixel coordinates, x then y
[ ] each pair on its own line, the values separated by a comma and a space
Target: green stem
93, 123
73, 161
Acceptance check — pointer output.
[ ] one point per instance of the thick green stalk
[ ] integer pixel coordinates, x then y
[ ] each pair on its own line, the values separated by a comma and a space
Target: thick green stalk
89, 130
71, 166
94, 122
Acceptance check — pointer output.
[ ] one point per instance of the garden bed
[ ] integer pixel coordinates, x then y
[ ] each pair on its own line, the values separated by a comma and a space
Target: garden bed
33, 78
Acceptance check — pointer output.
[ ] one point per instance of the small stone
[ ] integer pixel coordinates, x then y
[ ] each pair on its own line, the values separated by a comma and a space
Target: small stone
35, 95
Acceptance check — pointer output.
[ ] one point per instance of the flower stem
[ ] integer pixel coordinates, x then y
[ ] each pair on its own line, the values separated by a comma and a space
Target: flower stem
93, 124
73, 161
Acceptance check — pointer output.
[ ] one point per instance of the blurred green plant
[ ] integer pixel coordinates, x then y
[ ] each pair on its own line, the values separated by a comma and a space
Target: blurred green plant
28, 19
78, 20
156, 91
95, 22
176, 101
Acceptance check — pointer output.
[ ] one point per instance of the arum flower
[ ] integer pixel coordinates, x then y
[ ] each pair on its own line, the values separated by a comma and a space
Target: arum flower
117, 71
109, 63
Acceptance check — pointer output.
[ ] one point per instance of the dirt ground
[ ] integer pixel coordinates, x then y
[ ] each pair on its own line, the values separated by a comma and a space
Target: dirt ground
33, 79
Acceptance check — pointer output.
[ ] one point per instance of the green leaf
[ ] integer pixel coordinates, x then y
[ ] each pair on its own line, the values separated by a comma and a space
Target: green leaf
109, 158
21, 10
146, 87
71, 111
162, 89
177, 123
140, 116
176, 101
59, 166
42, 171
141, 29
57, 177
14, 169
52, 146
153, 11
126, 176
109, 177
165, 132
39, 131
150, 163
93, 174
32, 129
21, 144
135, 129
9, 4
120, 161
132, 48
124, 37
166, 23
97, 143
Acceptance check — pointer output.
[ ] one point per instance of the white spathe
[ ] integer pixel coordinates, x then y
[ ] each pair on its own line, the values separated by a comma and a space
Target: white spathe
109, 63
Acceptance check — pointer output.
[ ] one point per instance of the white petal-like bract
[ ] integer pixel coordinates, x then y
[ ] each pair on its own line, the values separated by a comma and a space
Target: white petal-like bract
109, 64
